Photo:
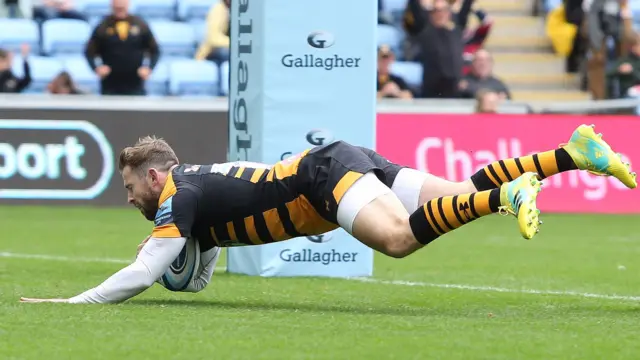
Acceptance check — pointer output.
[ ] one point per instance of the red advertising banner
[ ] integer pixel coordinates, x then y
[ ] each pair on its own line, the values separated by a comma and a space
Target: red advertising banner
456, 146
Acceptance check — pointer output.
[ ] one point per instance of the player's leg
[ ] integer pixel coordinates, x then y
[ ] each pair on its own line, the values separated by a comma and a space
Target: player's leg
585, 150
372, 213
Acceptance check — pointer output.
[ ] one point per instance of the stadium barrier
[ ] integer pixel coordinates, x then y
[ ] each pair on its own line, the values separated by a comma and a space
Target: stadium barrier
65, 152
401, 128
456, 146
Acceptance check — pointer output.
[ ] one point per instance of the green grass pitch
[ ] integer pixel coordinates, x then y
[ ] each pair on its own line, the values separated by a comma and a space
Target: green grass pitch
481, 292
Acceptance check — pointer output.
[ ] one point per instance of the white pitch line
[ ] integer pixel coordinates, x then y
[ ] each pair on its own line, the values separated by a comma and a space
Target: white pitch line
499, 289
63, 258
366, 280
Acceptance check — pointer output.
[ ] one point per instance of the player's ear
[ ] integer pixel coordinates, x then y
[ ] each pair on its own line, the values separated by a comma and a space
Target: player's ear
153, 175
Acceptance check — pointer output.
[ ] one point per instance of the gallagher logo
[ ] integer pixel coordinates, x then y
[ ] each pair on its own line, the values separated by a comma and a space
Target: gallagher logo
319, 137
53, 160
320, 40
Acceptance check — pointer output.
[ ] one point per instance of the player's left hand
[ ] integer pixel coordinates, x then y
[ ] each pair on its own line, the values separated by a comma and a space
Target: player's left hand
32, 300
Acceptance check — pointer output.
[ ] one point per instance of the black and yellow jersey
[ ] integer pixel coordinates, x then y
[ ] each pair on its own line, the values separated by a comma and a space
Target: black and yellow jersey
245, 203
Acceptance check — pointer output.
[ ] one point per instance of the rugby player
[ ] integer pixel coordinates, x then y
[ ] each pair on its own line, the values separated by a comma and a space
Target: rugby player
393, 209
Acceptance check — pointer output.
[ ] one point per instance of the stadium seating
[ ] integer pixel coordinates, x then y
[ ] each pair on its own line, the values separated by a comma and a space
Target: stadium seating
395, 8
411, 72
194, 10
43, 70
191, 77
224, 78
176, 39
154, 9
391, 36
178, 26
64, 36
82, 74
95, 10
15, 32
158, 83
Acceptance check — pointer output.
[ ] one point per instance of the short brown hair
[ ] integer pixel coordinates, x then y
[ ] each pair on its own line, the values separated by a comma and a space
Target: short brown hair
148, 152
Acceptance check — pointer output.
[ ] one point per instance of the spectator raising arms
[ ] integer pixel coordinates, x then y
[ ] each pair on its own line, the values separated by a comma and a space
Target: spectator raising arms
215, 45
122, 40
440, 42
9, 83
389, 85
481, 77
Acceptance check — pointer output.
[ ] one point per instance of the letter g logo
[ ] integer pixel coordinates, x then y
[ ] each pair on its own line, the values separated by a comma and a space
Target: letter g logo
320, 40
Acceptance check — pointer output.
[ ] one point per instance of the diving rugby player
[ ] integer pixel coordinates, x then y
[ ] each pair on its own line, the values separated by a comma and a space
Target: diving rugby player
391, 208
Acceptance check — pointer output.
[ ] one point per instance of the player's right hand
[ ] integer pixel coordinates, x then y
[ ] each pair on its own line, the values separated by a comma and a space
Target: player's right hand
103, 70
142, 245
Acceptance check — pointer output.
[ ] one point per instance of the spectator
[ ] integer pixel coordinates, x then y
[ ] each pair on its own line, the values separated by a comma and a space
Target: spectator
384, 17
440, 43
44, 10
626, 70
9, 83
63, 85
121, 40
215, 45
607, 19
574, 14
487, 102
481, 77
389, 85
13, 8
474, 39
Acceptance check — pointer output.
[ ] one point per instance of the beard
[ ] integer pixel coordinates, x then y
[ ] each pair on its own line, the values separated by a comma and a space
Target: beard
148, 206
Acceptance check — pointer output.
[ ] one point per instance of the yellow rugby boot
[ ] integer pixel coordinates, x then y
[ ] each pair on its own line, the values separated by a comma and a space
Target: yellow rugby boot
589, 152
518, 198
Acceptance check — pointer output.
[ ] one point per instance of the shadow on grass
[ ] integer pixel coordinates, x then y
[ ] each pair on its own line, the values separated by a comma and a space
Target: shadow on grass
279, 306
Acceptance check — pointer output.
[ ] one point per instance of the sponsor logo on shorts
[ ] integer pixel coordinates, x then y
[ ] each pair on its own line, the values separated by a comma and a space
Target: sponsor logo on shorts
324, 258
62, 160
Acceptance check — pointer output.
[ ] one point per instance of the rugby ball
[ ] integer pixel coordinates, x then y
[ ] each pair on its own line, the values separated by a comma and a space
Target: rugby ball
183, 268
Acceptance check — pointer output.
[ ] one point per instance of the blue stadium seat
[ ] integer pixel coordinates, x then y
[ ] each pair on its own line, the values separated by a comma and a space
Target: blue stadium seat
394, 5
43, 70
410, 72
154, 9
158, 83
552, 4
224, 78
94, 9
15, 32
175, 39
191, 77
390, 35
64, 36
199, 30
190, 10
82, 75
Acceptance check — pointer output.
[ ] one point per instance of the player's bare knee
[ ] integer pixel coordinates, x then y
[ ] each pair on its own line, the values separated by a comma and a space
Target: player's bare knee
398, 239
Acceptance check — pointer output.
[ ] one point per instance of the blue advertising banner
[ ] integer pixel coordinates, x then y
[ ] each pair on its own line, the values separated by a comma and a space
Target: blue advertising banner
302, 74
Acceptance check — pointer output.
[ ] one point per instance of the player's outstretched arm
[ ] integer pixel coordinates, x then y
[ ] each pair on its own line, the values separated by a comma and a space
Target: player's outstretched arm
154, 259
210, 259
